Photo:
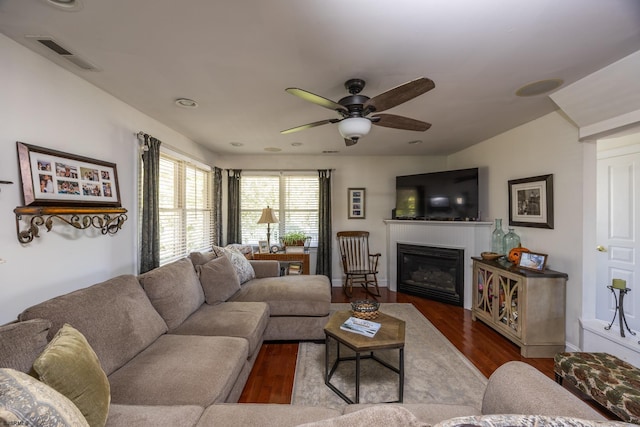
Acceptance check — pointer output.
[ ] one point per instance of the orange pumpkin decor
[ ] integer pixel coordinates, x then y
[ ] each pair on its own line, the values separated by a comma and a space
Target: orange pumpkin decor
516, 253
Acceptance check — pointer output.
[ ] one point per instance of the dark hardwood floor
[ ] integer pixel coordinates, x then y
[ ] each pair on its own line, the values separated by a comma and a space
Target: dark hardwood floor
271, 379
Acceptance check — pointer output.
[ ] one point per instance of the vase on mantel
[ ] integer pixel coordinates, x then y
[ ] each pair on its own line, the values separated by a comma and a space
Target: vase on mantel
497, 238
511, 240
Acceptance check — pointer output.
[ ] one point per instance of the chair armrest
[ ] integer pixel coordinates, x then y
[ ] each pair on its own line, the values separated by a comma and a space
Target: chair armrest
265, 268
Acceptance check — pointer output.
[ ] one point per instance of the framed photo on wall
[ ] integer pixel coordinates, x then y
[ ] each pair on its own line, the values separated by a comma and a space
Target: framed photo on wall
356, 203
531, 202
51, 177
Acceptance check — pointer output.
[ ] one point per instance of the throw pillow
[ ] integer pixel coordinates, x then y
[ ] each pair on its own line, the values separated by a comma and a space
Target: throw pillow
200, 258
510, 420
27, 401
219, 280
383, 415
70, 366
22, 342
241, 264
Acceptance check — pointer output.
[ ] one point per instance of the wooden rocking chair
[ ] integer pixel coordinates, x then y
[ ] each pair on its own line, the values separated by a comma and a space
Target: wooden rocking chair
358, 265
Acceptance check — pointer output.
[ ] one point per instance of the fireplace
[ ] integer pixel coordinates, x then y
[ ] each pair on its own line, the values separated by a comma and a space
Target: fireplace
432, 272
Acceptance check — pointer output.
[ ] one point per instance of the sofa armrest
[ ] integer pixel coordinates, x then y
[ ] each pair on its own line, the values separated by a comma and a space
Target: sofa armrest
265, 268
519, 388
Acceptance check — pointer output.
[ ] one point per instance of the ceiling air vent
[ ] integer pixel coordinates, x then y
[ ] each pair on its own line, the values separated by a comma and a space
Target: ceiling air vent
63, 52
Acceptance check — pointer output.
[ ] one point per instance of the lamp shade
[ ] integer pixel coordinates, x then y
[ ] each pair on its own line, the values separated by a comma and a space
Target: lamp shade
267, 217
354, 127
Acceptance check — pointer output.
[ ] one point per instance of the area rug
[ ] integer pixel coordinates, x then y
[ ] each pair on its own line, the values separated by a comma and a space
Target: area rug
435, 371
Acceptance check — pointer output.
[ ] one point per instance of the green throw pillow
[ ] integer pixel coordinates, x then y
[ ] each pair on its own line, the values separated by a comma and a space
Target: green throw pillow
69, 365
26, 401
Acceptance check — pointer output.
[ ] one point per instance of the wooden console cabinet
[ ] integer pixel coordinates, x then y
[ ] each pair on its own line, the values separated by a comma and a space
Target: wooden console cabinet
527, 307
302, 258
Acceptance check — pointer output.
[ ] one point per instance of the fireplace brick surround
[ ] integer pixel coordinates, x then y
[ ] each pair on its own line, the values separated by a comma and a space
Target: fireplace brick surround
471, 236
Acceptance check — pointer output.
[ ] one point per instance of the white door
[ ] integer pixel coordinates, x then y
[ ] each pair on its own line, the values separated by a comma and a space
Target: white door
618, 221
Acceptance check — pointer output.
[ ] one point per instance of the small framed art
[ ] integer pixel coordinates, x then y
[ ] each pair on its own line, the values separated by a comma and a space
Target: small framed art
356, 203
54, 178
533, 261
263, 247
531, 202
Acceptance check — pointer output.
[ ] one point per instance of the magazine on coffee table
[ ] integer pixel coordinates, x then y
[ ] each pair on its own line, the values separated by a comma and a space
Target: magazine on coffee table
360, 326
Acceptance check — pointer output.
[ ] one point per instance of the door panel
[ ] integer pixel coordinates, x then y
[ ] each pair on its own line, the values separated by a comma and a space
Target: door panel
618, 190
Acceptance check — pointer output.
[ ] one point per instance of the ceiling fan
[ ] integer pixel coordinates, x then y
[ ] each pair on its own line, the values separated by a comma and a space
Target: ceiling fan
354, 121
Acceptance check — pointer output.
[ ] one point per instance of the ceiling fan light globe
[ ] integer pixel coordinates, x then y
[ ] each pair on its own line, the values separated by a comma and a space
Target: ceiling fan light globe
354, 127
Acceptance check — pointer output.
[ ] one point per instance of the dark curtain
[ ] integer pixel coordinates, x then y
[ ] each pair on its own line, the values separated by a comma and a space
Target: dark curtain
323, 265
150, 227
233, 223
217, 207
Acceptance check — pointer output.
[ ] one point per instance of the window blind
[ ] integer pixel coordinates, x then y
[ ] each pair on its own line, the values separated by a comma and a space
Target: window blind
292, 195
185, 208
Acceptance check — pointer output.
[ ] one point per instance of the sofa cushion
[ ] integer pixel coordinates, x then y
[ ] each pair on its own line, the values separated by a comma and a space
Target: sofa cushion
69, 365
115, 317
181, 370
231, 319
27, 401
174, 291
218, 279
22, 342
299, 295
145, 415
263, 415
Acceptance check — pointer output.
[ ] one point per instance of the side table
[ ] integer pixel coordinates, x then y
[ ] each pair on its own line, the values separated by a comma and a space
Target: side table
289, 258
389, 336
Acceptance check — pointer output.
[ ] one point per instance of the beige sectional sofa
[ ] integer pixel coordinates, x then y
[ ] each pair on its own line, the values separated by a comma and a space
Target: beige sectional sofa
177, 345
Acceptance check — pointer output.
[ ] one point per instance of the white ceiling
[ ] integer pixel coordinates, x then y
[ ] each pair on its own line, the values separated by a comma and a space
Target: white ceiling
235, 58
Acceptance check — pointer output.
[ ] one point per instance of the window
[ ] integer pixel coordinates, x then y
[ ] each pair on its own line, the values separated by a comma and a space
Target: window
292, 195
185, 207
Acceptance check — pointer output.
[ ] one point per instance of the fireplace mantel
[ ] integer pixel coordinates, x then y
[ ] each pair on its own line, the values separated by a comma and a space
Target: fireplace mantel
472, 236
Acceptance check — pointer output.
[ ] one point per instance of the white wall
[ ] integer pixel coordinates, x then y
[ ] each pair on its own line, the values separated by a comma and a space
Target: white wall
375, 174
548, 145
43, 104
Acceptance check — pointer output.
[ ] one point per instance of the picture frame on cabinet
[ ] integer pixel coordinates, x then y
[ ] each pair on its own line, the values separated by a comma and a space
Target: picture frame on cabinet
531, 202
533, 261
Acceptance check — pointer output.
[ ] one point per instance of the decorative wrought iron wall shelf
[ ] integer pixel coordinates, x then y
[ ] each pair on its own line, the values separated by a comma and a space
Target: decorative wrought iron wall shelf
107, 220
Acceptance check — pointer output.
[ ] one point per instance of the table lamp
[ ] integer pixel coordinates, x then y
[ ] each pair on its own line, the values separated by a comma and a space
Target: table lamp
268, 217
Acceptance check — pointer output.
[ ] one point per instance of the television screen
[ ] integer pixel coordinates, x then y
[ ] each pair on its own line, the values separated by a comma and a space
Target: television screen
448, 195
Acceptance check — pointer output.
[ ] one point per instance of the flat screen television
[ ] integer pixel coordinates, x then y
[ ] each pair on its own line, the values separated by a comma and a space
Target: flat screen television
441, 196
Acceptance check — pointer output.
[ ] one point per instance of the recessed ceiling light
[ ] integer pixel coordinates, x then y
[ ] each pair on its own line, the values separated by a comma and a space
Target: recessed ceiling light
273, 149
236, 144
296, 144
417, 141
66, 5
539, 87
186, 103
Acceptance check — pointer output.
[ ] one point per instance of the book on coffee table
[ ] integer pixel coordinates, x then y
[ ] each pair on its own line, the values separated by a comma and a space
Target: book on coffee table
360, 326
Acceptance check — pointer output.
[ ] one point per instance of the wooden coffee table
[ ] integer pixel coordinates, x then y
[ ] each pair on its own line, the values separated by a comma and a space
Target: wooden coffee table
390, 336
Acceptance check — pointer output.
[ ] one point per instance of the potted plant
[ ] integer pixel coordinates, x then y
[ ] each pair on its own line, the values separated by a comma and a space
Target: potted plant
294, 238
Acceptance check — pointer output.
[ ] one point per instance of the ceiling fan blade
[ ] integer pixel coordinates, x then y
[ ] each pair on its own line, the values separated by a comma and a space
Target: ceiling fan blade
350, 142
399, 122
309, 125
316, 99
399, 94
